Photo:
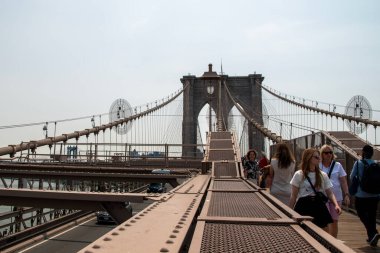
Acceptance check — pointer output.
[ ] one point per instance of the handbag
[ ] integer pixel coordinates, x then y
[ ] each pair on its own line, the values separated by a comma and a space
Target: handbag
353, 189
319, 195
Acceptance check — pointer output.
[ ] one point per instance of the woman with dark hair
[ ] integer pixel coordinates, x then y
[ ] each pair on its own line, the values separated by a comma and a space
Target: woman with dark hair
308, 185
250, 164
366, 203
281, 172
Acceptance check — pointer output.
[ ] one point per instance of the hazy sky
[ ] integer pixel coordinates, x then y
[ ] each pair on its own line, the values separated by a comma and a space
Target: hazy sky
66, 59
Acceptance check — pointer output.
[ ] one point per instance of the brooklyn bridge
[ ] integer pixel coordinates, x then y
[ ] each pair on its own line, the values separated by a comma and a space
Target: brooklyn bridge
51, 189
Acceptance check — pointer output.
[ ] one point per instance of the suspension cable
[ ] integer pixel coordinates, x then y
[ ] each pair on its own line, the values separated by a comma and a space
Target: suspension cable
266, 132
315, 109
11, 150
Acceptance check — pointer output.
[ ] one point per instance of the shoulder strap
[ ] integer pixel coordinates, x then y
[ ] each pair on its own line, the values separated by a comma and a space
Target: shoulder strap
331, 168
357, 170
312, 186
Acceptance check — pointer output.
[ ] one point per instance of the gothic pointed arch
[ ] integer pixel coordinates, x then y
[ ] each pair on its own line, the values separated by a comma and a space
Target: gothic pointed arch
245, 89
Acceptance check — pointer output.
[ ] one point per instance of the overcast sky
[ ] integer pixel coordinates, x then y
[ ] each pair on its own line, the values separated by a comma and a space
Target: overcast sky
66, 59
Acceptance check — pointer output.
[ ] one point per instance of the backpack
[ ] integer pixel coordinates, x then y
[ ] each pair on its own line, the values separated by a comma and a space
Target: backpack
370, 181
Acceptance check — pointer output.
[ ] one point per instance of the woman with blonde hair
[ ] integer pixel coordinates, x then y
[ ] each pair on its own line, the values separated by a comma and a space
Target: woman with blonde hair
308, 185
338, 177
281, 171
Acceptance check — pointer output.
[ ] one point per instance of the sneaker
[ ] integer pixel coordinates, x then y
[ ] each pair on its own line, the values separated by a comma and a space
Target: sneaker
374, 240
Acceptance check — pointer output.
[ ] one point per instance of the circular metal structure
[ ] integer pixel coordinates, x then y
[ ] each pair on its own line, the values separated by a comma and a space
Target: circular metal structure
358, 107
121, 109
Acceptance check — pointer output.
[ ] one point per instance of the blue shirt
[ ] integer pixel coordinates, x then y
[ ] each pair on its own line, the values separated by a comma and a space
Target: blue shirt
359, 165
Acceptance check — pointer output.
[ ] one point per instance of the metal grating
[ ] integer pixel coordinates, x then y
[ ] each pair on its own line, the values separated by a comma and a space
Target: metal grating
225, 170
217, 155
320, 239
230, 185
252, 238
220, 144
220, 135
237, 204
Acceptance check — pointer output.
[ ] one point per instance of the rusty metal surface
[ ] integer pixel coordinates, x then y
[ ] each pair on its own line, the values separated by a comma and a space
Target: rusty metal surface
162, 227
196, 184
92, 168
148, 178
223, 237
220, 144
220, 135
219, 155
223, 169
230, 185
232, 204
64, 199
325, 239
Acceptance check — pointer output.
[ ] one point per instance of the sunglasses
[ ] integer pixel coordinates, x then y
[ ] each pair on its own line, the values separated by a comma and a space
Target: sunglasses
316, 157
327, 152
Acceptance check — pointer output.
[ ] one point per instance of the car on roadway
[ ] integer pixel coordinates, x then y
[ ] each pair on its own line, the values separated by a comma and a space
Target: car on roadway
103, 217
158, 187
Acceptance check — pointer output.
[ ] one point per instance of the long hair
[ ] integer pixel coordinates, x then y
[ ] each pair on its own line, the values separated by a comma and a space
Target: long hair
284, 155
307, 155
326, 146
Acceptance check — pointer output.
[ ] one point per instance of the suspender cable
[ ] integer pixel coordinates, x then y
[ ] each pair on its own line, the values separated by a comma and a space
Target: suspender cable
263, 130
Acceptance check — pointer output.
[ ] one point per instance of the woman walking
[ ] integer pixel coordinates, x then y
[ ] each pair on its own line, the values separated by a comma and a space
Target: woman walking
365, 202
308, 185
281, 172
338, 178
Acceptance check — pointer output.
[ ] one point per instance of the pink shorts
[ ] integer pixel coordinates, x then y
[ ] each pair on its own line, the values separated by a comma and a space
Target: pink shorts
331, 208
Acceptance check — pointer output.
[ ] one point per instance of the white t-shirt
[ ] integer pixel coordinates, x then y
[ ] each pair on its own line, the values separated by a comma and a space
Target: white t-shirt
336, 174
304, 185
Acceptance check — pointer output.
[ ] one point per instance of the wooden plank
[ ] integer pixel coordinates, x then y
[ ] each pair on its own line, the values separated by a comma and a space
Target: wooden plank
353, 234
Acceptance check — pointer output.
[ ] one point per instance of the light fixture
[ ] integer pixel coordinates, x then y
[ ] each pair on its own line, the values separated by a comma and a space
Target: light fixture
45, 130
210, 88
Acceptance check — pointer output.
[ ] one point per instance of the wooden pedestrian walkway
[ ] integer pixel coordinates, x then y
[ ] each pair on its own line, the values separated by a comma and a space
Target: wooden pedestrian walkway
353, 233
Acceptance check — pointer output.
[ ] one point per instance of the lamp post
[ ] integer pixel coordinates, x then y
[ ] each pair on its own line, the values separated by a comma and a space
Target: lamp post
45, 130
210, 91
210, 77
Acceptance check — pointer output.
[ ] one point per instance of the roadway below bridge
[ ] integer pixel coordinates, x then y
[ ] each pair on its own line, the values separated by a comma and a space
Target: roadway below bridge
74, 238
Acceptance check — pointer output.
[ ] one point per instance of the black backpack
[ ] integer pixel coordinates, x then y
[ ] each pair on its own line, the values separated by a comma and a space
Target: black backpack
370, 182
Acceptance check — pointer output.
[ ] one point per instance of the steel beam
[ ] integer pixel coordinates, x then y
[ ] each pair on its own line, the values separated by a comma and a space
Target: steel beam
91, 201
83, 176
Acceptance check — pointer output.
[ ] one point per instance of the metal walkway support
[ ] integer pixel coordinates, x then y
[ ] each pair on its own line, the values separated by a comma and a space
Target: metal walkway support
111, 202
218, 212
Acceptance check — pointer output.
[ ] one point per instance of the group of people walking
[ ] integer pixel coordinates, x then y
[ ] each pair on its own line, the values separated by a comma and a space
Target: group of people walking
318, 188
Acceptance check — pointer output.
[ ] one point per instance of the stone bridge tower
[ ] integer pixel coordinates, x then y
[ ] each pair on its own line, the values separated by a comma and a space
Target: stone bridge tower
245, 89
